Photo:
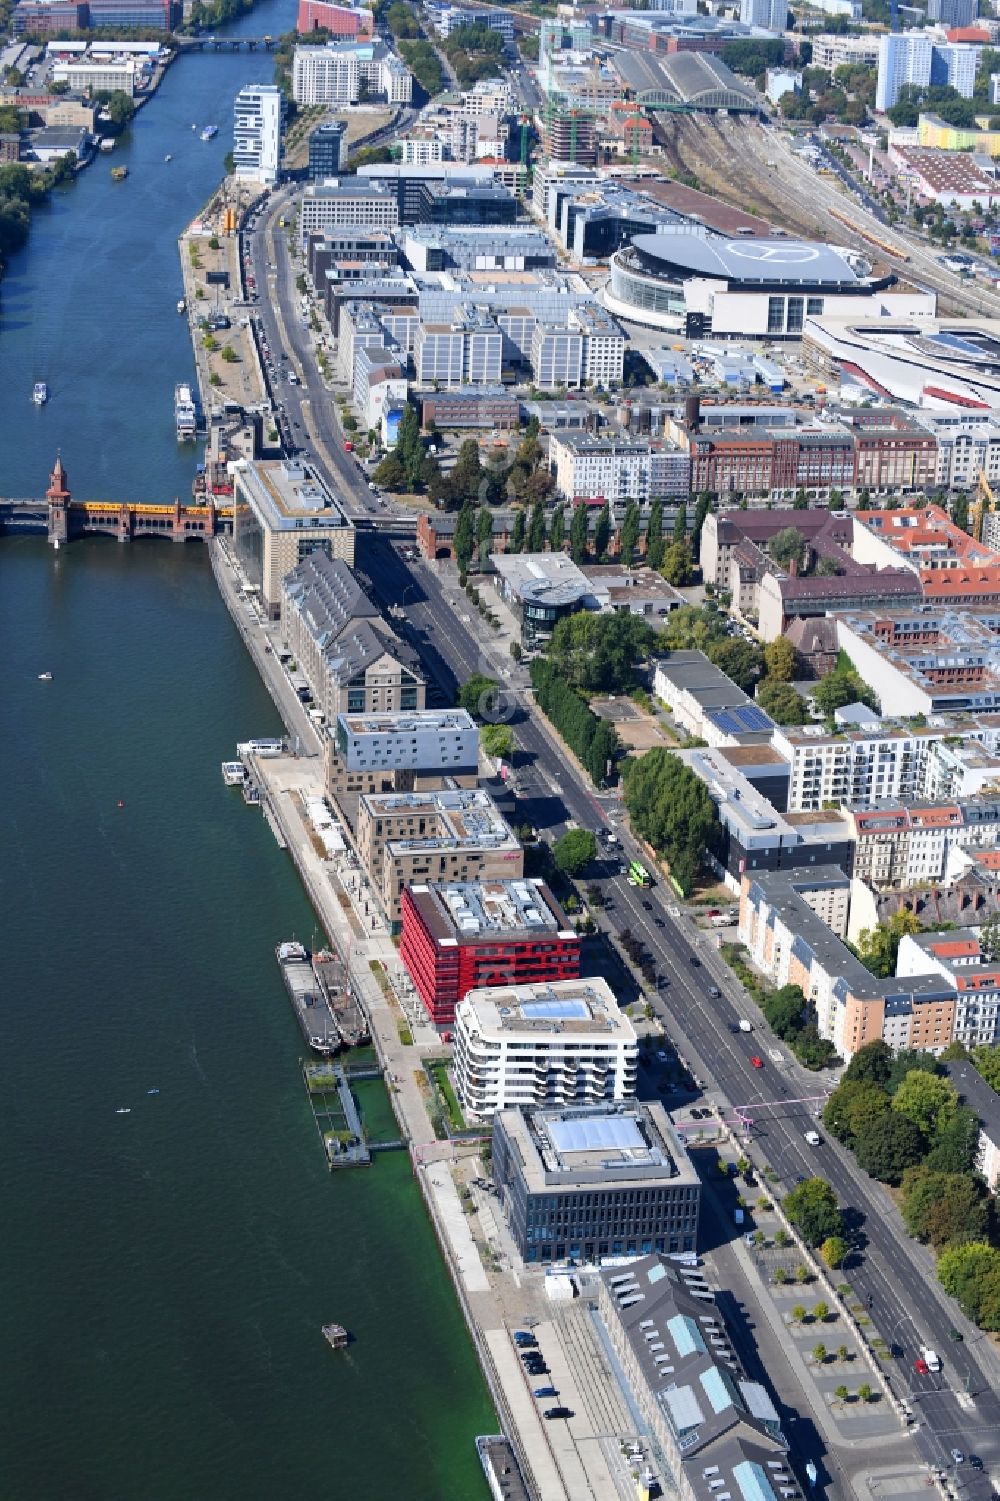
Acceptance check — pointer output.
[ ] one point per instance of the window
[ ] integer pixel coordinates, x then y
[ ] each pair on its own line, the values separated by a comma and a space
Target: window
775, 315
794, 315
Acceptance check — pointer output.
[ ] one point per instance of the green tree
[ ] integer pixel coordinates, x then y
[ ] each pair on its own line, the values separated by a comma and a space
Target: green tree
516, 540
819, 1354
497, 740
780, 660
839, 688
784, 1009
891, 1145
740, 660
478, 695
468, 474
799, 1312
557, 528
812, 1208
840, 1392
865, 1393
681, 523
788, 546
536, 528
574, 851
464, 536
928, 1100
671, 808
957, 1144
871, 1064
598, 653
602, 531
694, 627
629, 535
821, 1312
579, 532
853, 1108
989, 938
603, 752
781, 701
971, 1273
906, 1062
654, 535
701, 510
944, 1207
484, 533
878, 948
677, 567
834, 1251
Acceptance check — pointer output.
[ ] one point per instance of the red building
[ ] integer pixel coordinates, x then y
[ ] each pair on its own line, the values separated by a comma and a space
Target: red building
339, 20
458, 937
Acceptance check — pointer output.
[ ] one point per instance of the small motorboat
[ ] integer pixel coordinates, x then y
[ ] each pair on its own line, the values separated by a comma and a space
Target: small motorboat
152, 1091
168, 157
124, 1110
45, 677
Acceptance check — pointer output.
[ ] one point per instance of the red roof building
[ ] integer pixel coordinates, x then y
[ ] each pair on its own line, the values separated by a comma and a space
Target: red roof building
464, 936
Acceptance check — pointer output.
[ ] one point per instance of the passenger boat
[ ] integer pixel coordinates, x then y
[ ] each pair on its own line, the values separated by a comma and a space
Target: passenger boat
336, 1336
185, 415
40, 393
234, 773
181, 305
210, 132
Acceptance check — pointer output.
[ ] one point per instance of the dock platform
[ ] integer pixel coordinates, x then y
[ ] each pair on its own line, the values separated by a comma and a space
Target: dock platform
336, 1114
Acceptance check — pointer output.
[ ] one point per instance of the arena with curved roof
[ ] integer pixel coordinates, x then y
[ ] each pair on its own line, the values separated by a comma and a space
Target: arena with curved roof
685, 80
689, 279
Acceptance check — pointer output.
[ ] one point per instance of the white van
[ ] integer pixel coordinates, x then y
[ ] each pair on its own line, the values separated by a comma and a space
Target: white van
745, 1025
813, 1138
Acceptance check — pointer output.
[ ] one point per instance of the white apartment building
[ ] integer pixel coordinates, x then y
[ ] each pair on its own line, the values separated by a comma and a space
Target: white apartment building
771, 15
958, 958
911, 844
832, 52
489, 96
258, 123
468, 351
419, 151
335, 74
439, 739
589, 468
542, 1045
950, 759
967, 442
903, 57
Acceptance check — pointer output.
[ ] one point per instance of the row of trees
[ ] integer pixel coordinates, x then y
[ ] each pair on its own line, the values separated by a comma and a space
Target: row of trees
792, 1018
598, 653
593, 741
670, 807
904, 1121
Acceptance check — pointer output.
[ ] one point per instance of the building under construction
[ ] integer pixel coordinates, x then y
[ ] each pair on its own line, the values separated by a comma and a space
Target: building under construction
571, 135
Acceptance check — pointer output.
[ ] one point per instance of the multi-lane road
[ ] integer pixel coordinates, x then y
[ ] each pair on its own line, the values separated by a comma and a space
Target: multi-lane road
889, 1274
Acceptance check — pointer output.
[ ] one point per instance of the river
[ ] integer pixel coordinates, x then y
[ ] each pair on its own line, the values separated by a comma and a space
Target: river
165, 1273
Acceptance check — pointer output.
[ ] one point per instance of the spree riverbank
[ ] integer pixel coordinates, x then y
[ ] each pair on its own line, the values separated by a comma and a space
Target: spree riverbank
168, 1270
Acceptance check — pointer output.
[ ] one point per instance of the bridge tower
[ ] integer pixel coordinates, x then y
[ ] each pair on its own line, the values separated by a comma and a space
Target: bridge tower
58, 497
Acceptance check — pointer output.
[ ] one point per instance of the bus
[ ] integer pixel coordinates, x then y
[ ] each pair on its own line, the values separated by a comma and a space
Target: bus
638, 875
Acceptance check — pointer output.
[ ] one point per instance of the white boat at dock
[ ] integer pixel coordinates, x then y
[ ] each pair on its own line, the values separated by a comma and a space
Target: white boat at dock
234, 773
185, 413
181, 305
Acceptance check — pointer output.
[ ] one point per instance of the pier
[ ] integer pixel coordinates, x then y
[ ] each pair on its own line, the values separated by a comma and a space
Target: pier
337, 1117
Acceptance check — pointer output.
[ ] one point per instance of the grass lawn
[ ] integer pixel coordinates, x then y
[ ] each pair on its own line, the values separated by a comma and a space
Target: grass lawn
438, 1073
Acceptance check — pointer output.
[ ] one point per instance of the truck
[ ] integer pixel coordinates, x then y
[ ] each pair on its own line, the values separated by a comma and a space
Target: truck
813, 1138
931, 1358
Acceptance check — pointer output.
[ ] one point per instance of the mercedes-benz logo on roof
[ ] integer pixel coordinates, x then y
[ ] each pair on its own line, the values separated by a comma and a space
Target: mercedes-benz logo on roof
762, 250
